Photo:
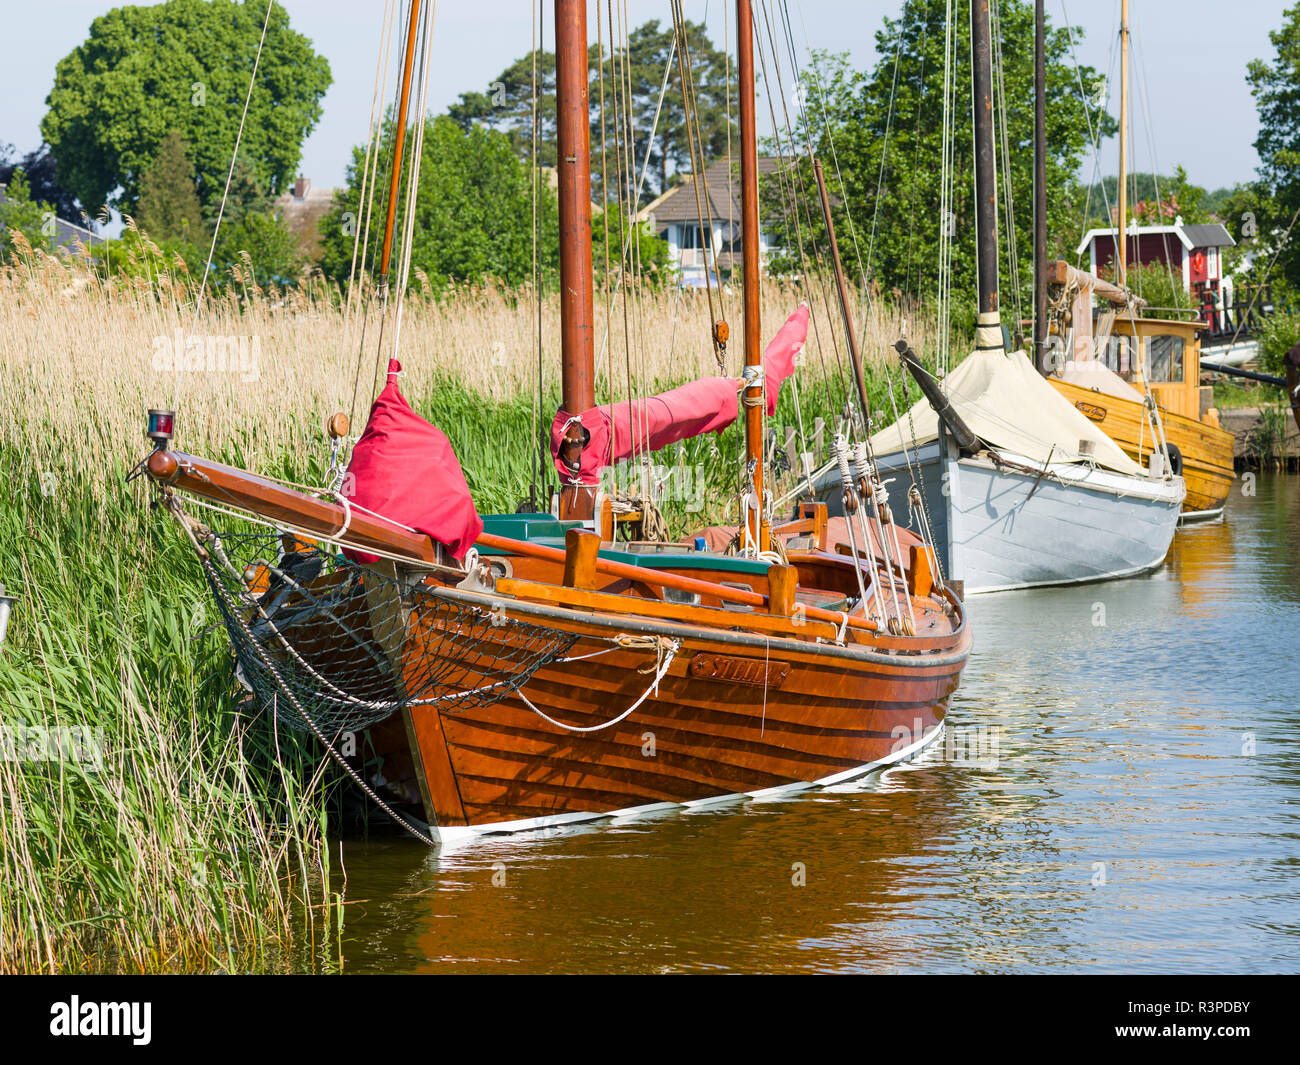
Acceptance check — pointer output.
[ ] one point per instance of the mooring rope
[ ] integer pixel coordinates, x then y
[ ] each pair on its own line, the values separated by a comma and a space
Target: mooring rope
667, 649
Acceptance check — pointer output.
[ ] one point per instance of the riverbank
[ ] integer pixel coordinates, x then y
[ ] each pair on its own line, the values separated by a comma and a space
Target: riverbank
1262, 436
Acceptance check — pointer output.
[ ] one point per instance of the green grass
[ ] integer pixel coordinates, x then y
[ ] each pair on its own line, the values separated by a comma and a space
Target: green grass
1229, 395
197, 845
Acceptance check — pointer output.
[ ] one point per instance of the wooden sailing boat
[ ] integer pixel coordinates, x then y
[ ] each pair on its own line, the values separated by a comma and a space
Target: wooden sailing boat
556, 676
1022, 490
1138, 378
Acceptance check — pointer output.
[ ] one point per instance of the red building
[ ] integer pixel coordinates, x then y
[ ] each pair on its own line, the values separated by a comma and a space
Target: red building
1193, 252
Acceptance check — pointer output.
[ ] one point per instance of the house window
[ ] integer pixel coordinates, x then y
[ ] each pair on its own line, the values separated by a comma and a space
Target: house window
1165, 358
693, 239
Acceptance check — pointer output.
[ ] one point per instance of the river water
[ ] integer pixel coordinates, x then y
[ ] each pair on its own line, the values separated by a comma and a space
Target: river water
1119, 792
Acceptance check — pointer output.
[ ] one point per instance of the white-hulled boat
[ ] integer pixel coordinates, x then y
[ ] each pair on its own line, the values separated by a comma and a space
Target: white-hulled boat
1020, 488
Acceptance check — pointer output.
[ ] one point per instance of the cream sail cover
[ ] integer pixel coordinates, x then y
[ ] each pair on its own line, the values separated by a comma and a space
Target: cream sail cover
1005, 402
1097, 376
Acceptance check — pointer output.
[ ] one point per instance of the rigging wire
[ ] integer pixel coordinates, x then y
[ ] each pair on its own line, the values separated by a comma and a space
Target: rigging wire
413, 181
1001, 120
225, 195
699, 177
381, 75
539, 442
366, 203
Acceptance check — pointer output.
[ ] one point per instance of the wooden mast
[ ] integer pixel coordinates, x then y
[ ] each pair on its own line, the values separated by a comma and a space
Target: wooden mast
988, 334
573, 131
1121, 237
756, 522
1041, 360
399, 141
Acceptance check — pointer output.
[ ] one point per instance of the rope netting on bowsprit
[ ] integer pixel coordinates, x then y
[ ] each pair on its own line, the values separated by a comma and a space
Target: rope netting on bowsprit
319, 637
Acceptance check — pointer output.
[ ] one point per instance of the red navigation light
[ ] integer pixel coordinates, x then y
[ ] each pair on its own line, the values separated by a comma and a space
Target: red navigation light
161, 427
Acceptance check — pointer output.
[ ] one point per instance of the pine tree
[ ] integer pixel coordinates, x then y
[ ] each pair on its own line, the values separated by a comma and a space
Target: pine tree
169, 202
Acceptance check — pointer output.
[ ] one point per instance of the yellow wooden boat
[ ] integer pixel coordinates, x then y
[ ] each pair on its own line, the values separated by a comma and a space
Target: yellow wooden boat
1108, 370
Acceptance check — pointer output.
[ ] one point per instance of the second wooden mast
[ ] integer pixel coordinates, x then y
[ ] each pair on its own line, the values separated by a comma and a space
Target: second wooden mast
988, 330
758, 531
577, 314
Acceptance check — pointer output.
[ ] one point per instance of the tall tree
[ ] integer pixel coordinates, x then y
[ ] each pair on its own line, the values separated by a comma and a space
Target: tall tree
641, 62
183, 65
169, 205
474, 215
473, 212
880, 136
625, 83
507, 105
1275, 85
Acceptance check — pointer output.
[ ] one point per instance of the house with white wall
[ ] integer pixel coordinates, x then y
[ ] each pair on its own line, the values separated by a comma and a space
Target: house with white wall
675, 216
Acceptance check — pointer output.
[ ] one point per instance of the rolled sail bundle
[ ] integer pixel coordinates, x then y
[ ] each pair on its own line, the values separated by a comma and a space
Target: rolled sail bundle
619, 431
404, 469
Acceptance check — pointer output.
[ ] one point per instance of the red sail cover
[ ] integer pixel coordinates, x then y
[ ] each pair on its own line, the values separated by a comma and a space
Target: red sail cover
404, 469
621, 430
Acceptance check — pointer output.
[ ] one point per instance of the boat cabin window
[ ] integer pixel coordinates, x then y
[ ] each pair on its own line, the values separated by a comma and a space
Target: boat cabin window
1165, 358
1118, 354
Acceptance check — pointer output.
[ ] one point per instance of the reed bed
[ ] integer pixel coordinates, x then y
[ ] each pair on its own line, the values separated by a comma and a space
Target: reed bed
200, 841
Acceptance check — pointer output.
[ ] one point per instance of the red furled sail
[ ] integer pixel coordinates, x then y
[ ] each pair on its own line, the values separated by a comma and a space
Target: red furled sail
620, 430
404, 469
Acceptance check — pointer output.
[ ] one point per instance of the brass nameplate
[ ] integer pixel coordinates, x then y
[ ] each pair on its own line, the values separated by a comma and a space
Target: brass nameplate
739, 670
1097, 414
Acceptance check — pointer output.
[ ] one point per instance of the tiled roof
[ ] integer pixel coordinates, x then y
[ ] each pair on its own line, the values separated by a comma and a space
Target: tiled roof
720, 199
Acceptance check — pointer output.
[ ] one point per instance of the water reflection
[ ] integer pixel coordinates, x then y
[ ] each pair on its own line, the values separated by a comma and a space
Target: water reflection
1140, 815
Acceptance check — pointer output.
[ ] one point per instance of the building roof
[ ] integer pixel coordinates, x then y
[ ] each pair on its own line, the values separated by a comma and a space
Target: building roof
720, 200
1205, 235
1209, 235
66, 233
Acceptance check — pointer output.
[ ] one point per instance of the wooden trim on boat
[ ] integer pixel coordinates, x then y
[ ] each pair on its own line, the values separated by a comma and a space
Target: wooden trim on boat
714, 617
238, 488
664, 579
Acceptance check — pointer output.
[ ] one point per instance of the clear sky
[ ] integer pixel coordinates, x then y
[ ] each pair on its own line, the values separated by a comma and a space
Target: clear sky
1192, 54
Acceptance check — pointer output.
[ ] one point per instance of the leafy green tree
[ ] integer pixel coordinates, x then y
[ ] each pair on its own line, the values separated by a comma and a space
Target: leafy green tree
474, 210
19, 213
857, 117
183, 65
1275, 84
169, 206
247, 195
507, 105
1280, 334
1257, 221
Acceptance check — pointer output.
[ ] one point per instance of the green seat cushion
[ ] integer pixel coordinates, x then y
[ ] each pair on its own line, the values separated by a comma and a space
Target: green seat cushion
547, 531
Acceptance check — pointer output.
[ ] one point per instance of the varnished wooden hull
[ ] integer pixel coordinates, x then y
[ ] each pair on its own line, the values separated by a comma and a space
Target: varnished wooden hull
1206, 449
826, 714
